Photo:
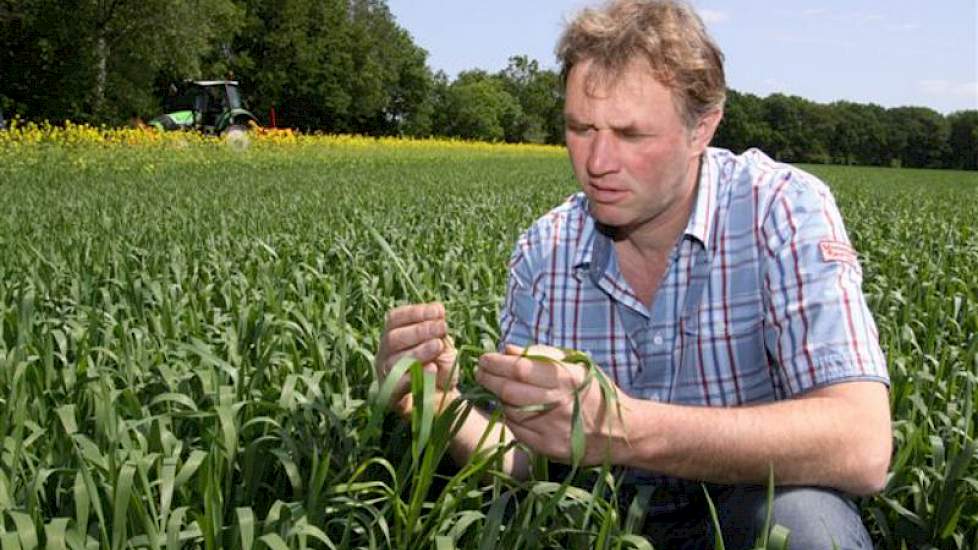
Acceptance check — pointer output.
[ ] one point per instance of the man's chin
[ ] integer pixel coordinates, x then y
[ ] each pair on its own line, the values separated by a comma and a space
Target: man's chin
608, 216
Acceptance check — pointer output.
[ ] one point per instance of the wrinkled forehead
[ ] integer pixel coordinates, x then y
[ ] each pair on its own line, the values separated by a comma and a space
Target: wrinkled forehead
594, 80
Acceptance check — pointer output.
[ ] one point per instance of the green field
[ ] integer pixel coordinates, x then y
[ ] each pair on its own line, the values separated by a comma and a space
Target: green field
186, 337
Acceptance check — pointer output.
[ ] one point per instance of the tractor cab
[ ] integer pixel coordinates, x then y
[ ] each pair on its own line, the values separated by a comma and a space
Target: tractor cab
210, 106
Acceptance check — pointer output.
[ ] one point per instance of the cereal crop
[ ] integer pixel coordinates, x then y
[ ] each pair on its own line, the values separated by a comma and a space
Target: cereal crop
187, 331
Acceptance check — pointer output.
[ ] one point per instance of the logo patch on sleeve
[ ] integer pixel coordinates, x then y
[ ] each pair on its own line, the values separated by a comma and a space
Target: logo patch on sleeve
837, 251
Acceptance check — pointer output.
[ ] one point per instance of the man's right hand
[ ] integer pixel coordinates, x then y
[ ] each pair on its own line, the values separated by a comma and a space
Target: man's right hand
419, 331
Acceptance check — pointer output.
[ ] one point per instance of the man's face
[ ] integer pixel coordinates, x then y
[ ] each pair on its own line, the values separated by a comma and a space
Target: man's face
630, 150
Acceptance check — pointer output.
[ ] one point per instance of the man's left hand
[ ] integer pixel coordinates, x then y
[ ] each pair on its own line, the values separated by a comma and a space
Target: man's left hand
547, 389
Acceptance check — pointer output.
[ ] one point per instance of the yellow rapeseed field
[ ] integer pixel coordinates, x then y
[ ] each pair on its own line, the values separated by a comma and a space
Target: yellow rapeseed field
69, 134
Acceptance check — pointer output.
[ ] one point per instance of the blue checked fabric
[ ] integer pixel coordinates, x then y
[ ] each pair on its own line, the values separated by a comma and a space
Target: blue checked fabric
761, 299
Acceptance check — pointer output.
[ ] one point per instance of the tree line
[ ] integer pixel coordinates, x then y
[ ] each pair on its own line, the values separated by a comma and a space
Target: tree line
347, 66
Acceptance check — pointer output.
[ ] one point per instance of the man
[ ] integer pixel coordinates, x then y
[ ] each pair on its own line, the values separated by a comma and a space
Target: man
718, 292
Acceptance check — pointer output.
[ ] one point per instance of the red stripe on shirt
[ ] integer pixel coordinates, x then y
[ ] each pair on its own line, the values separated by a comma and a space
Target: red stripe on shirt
613, 341
731, 356
718, 246
575, 336
801, 292
699, 334
552, 298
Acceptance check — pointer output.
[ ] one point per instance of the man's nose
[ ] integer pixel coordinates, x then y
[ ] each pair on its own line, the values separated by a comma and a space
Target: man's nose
603, 156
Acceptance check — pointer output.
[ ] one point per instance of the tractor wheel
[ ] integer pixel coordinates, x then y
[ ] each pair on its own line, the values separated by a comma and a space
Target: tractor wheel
236, 136
235, 129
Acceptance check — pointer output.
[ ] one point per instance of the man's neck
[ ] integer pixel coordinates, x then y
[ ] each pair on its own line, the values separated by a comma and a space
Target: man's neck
655, 238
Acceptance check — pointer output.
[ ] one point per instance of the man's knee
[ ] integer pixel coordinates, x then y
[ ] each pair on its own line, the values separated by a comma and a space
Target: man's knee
818, 518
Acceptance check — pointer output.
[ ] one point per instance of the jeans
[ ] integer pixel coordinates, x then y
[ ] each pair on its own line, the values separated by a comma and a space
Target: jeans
819, 519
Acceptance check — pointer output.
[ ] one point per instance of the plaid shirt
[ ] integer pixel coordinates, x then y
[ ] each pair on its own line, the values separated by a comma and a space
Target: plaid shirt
761, 299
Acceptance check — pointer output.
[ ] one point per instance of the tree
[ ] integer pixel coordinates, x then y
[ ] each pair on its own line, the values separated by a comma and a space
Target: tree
98, 60
477, 106
391, 81
743, 125
334, 65
858, 135
292, 55
540, 97
346, 66
792, 136
962, 151
921, 134
37, 55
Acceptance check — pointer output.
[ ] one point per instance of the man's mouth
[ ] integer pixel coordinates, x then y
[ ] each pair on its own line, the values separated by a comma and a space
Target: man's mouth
602, 193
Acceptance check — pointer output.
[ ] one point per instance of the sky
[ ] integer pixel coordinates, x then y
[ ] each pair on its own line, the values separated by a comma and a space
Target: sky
892, 53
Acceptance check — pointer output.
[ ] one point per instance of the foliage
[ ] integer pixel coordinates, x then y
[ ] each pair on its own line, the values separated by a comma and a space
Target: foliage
333, 65
926, 134
539, 94
963, 143
477, 106
346, 66
521, 103
98, 61
186, 337
793, 129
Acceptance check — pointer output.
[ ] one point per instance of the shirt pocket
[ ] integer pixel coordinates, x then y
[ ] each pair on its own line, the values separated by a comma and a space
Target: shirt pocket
722, 351
722, 320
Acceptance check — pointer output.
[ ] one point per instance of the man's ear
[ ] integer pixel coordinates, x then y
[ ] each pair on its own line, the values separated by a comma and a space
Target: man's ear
705, 129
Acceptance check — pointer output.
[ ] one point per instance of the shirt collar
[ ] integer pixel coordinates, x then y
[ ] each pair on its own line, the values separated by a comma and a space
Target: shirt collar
585, 248
704, 209
698, 227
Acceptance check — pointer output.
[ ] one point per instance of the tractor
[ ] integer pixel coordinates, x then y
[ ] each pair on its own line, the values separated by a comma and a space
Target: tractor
209, 106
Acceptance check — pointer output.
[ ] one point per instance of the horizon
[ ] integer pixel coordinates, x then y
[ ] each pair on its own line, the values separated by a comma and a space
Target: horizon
903, 54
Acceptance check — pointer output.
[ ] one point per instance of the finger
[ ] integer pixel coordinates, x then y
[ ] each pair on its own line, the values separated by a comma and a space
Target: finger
404, 406
543, 350
403, 338
514, 393
413, 314
520, 369
400, 395
513, 350
425, 352
447, 374
443, 377
528, 413
448, 355
401, 388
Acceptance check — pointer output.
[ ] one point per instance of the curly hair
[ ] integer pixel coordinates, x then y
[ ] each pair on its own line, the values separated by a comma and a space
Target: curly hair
667, 34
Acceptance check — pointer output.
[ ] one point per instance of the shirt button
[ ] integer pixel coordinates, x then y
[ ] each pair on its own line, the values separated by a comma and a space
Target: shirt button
657, 340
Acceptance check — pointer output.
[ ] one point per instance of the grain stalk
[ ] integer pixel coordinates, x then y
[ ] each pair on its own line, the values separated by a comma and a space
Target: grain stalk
611, 414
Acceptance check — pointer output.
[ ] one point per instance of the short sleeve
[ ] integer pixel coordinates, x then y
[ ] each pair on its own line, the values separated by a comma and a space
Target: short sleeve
818, 327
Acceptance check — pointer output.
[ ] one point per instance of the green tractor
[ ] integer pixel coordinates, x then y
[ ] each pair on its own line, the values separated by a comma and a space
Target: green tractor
209, 106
